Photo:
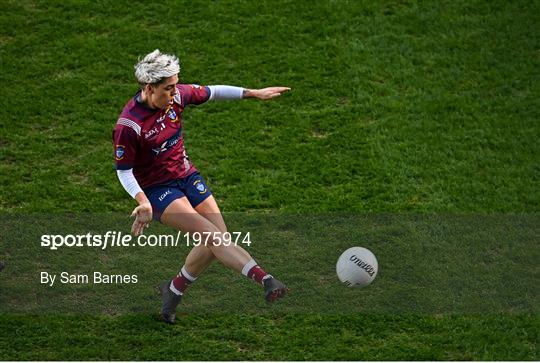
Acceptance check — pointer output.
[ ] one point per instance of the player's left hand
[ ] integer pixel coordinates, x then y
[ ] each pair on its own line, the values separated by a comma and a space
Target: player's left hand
268, 92
143, 217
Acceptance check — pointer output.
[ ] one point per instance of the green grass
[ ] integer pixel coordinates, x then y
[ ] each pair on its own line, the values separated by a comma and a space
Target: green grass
400, 106
397, 108
291, 337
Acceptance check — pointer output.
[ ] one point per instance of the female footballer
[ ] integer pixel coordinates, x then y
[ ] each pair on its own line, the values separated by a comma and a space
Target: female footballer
153, 167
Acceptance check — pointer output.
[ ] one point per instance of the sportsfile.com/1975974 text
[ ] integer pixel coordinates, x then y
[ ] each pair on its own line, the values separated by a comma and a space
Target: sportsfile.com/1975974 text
120, 239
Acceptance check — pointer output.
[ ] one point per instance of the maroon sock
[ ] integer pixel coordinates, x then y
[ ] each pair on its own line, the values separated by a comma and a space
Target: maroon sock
180, 284
257, 273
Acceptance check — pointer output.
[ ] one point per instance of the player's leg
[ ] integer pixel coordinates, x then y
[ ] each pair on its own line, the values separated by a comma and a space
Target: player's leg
274, 289
201, 257
161, 197
198, 260
210, 210
182, 216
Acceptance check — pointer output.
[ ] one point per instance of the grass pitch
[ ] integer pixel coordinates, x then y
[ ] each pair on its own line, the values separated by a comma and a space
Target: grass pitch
397, 108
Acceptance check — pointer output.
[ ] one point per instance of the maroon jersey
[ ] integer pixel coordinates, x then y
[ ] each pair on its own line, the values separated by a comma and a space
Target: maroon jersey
151, 141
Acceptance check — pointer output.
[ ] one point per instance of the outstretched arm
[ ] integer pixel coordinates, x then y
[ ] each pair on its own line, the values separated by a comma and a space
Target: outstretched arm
223, 93
265, 93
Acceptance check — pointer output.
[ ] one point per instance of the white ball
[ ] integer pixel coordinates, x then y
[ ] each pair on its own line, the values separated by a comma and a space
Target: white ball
357, 267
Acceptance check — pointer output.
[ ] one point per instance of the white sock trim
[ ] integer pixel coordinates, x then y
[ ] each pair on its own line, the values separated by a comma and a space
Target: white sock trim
187, 275
248, 266
174, 289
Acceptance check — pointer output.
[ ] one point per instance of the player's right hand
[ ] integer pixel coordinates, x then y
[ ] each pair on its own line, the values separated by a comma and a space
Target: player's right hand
143, 217
267, 93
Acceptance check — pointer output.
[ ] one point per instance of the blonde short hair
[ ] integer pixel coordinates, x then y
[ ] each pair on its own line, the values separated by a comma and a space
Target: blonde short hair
155, 67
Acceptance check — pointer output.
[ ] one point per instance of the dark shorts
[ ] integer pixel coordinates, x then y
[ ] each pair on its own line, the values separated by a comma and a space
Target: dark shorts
193, 187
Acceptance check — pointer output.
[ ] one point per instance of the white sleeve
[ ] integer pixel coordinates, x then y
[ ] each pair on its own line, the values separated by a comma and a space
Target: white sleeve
223, 93
128, 181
